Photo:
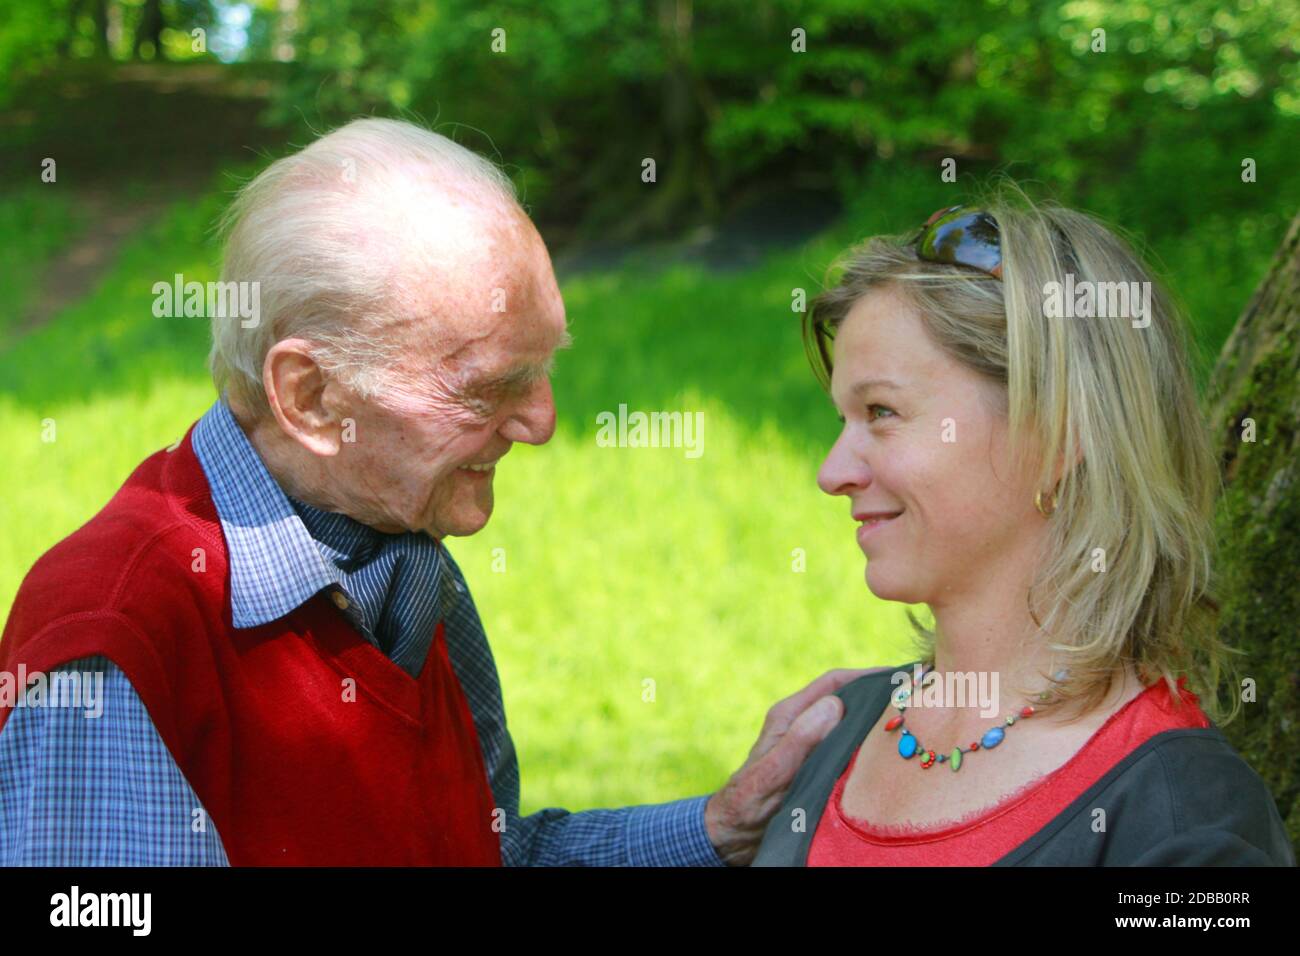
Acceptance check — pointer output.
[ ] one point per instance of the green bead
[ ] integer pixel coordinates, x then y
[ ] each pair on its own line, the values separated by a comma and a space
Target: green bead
955, 760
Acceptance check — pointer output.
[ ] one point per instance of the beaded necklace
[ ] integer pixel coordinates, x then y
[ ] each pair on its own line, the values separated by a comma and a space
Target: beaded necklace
909, 746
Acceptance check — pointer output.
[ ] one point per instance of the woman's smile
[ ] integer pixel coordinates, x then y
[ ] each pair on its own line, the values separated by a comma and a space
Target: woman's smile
872, 522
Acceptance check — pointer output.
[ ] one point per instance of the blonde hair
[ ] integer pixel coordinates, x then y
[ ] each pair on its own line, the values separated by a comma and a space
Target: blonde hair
322, 234
1119, 395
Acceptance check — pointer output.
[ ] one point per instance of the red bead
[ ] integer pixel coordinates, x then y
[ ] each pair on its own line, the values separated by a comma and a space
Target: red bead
1026, 711
975, 746
894, 722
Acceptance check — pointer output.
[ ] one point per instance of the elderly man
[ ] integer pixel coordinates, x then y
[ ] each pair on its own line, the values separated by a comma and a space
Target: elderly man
293, 669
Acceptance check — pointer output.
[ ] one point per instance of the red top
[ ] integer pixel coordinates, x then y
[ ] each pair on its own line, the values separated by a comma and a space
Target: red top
985, 836
305, 744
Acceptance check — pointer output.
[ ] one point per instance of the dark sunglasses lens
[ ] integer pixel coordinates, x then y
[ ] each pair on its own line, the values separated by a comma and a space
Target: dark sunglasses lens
962, 238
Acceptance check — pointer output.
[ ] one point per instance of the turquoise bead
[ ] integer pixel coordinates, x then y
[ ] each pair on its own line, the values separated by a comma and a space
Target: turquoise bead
992, 738
907, 745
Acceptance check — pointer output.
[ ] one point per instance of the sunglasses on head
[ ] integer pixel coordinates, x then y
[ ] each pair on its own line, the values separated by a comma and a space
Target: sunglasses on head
960, 236
955, 236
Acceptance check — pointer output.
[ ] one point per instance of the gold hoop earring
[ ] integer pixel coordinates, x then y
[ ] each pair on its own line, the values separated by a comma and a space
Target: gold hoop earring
1038, 503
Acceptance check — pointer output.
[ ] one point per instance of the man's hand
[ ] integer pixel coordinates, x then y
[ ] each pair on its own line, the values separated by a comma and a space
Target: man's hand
737, 814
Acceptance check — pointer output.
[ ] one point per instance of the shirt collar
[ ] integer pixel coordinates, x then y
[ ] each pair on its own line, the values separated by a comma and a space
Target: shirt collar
275, 565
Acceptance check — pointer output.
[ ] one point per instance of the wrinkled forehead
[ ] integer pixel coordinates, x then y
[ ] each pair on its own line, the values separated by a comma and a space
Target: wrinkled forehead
482, 295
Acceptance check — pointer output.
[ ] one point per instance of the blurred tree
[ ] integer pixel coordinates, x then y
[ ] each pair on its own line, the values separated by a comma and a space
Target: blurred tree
740, 94
37, 35
148, 30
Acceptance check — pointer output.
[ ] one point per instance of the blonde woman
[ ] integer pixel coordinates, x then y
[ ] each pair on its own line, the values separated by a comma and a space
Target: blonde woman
1039, 477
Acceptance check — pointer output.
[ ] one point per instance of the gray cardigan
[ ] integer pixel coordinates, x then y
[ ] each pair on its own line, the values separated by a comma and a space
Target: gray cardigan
1183, 798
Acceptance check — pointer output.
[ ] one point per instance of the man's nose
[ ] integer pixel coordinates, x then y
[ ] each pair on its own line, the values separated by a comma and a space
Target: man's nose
533, 422
843, 472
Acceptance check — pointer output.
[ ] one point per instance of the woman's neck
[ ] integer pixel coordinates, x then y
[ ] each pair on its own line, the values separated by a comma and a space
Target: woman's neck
992, 632
995, 638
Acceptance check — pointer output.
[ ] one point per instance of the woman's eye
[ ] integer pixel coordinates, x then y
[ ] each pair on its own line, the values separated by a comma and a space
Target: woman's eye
872, 409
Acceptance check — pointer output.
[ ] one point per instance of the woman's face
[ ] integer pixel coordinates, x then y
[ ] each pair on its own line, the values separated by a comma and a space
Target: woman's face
924, 460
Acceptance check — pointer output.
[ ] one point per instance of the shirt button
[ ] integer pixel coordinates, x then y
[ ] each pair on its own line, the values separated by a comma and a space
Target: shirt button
340, 601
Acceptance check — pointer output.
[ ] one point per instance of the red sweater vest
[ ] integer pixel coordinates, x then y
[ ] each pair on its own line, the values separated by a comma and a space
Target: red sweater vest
305, 744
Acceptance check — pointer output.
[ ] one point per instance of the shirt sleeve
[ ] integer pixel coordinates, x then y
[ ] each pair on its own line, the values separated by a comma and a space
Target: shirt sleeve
94, 785
666, 834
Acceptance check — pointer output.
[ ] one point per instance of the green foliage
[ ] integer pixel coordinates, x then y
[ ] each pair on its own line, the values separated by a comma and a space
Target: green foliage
572, 96
716, 94
39, 36
29, 40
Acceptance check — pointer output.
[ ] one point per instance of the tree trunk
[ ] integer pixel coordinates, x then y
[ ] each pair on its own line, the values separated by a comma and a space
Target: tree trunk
1256, 385
149, 30
99, 13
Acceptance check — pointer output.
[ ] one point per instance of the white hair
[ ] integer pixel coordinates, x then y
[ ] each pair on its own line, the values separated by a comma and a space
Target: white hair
324, 233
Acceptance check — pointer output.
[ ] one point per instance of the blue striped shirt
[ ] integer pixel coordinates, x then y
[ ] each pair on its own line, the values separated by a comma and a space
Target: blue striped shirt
106, 791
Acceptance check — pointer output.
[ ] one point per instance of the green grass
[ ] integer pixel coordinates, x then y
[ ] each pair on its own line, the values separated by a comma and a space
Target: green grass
36, 221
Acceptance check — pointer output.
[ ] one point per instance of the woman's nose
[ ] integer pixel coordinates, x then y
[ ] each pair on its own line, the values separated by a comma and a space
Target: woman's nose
843, 472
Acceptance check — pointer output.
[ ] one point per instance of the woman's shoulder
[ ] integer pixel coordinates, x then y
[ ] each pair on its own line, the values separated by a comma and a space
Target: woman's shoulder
1183, 798
1203, 768
1205, 802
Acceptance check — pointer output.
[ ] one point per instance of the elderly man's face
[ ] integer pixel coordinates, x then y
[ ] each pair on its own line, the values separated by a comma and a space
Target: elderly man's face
473, 380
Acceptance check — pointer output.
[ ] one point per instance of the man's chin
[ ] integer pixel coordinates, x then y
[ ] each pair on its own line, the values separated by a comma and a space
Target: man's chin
462, 525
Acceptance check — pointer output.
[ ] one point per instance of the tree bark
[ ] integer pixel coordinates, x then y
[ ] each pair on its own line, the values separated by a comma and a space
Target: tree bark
1257, 381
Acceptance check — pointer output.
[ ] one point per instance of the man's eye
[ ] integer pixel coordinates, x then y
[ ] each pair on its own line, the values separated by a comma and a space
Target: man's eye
871, 409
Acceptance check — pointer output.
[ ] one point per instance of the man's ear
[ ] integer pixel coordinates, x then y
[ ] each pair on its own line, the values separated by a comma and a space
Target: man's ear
296, 391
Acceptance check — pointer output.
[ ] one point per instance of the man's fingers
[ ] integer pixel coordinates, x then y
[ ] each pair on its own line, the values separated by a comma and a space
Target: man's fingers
770, 775
785, 712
